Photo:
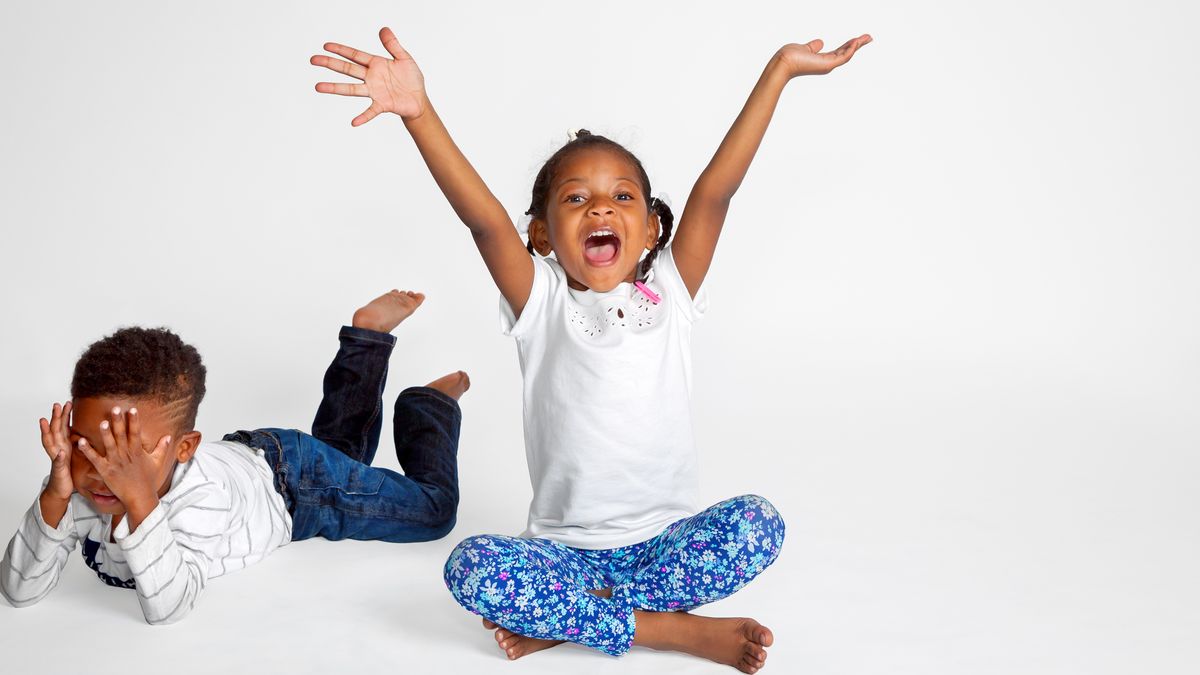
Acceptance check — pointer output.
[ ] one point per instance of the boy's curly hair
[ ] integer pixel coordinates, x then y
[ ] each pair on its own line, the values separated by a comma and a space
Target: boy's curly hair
145, 363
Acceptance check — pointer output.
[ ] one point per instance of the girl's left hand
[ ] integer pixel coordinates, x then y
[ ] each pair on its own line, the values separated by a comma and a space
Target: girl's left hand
808, 59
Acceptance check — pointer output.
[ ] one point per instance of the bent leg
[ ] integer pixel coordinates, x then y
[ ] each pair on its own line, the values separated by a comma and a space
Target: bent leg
350, 417
426, 424
705, 558
336, 497
539, 589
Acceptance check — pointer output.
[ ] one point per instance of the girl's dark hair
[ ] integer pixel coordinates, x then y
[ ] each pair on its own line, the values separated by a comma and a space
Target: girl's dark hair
143, 363
586, 140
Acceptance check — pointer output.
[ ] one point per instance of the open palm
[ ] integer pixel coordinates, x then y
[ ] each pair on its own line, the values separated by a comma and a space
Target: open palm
808, 59
394, 85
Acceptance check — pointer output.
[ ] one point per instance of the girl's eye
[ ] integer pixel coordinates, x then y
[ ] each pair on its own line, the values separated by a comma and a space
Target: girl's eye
574, 199
625, 196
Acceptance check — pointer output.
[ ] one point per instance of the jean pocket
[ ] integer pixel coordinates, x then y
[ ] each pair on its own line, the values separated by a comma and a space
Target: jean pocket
346, 477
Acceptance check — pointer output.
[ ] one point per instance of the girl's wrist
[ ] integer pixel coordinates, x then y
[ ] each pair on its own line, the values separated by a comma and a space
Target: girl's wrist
778, 71
424, 111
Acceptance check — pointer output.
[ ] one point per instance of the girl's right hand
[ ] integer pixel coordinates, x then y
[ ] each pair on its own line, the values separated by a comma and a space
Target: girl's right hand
56, 441
394, 85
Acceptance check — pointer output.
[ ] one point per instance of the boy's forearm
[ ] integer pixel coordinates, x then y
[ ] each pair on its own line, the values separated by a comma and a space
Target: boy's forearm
724, 173
470, 197
35, 557
170, 578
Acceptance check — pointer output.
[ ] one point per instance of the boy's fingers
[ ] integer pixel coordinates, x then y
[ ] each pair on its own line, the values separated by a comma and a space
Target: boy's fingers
340, 66
119, 431
135, 430
87, 450
47, 438
160, 450
366, 116
55, 417
106, 438
64, 421
342, 89
392, 45
361, 58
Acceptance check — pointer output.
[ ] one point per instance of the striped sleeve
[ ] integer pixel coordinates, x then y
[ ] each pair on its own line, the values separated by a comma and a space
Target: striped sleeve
35, 557
171, 552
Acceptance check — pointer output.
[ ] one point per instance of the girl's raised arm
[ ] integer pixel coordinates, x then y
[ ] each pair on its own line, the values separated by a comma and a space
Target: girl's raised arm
396, 85
704, 214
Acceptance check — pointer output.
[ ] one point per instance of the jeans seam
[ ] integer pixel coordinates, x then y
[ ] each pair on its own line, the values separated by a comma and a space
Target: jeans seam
355, 335
430, 392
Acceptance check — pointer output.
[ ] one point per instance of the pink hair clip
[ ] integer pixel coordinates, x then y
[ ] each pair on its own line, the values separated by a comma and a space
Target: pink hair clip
647, 292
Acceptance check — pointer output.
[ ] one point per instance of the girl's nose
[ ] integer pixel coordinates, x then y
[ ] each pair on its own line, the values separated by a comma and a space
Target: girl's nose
599, 209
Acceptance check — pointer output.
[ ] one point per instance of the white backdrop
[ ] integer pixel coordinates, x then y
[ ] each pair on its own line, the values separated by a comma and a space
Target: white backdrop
953, 333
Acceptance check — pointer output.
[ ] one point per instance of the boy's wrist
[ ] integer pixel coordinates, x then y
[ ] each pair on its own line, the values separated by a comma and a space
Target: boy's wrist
138, 510
53, 507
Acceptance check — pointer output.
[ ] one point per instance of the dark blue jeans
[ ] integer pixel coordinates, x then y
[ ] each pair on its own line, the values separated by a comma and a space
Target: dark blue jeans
326, 478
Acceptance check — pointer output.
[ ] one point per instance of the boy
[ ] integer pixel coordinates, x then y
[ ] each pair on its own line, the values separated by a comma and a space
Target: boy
160, 512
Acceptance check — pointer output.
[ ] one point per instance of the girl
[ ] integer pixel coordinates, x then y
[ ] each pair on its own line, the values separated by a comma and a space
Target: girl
614, 553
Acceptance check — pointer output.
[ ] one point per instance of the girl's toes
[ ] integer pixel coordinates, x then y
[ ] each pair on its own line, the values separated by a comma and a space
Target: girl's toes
763, 636
489, 625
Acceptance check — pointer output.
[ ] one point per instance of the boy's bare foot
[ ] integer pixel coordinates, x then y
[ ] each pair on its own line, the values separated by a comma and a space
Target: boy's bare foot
453, 385
516, 645
740, 643
386, 312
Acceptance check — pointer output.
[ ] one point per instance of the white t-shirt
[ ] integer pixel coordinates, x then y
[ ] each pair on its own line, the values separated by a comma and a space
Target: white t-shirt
607, 406
221, 514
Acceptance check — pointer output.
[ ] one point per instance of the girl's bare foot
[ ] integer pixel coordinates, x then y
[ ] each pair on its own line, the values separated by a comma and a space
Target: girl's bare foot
386, 312
740, 643
453, 385
515, 645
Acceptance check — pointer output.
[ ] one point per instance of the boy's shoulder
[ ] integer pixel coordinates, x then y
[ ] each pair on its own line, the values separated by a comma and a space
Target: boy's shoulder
215, 472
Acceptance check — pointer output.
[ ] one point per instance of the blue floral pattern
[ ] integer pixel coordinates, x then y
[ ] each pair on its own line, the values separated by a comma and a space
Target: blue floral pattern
539, 588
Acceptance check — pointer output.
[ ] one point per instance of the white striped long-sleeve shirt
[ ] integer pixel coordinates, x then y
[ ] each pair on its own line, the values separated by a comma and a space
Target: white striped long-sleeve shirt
221, 514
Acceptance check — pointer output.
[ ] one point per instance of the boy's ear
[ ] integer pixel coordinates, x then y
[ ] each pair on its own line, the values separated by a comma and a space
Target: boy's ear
653, 227
539, 236
187, 446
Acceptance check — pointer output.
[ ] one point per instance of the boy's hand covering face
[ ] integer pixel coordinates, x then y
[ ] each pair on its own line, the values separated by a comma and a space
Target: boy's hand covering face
57, 443
126, 467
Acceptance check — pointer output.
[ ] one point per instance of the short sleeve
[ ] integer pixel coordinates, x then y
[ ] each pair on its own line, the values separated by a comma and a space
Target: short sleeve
667, 274
540, 292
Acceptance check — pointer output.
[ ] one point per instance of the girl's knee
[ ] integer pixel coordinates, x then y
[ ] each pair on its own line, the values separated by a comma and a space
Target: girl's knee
762, 521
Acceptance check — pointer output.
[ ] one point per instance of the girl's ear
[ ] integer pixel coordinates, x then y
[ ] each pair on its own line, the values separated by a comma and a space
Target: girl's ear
188, 444
652, 230
539, 237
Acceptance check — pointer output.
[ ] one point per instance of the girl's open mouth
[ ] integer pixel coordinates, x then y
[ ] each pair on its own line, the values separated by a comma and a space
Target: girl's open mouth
601, 247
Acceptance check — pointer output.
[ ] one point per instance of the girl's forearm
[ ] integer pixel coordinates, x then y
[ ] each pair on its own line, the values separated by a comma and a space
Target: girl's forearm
724, 173
470, 197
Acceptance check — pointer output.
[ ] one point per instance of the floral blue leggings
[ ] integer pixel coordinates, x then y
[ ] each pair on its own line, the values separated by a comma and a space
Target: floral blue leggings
539, 588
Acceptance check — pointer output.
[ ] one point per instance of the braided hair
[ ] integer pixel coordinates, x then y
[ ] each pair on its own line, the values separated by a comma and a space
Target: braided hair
586, 140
